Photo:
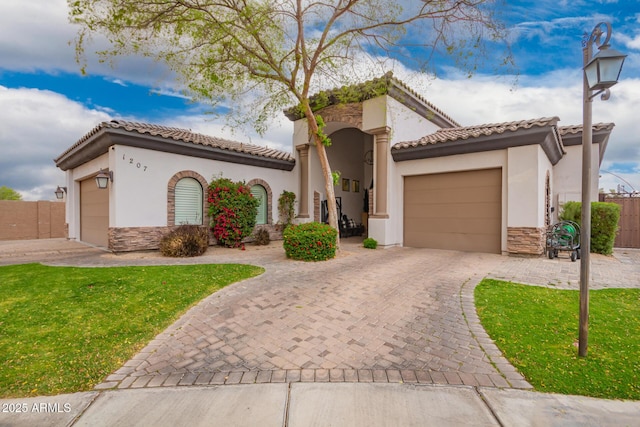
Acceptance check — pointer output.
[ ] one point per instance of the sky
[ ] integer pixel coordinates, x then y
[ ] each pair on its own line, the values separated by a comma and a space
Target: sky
46, 105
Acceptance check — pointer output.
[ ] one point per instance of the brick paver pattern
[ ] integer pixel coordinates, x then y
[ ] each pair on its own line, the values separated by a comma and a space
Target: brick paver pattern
394, 315
389, 315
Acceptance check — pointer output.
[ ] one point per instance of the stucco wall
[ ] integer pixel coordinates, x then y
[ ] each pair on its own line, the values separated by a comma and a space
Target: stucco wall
141, 177
405, 124
527, 168
138, 193
567, 177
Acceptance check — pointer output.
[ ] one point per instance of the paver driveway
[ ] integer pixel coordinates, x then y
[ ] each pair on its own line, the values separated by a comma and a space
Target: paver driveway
391, 315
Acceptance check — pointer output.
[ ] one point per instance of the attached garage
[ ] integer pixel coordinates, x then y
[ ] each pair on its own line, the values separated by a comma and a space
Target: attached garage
94, 213
455, 210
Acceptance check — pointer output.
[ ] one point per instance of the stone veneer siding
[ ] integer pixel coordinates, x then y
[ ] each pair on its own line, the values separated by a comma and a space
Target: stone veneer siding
127, 239
130, 239
526, 240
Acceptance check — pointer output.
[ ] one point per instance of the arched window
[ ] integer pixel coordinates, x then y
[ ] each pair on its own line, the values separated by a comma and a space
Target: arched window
188, 202
260, 193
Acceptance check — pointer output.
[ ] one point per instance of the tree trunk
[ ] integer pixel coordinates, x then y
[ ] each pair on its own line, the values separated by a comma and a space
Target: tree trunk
332, 208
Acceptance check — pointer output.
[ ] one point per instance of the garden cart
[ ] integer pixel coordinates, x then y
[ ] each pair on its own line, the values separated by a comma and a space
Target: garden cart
564, 236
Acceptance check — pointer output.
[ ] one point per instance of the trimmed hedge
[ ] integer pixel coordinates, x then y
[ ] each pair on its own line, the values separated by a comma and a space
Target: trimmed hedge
311, 241
604, 223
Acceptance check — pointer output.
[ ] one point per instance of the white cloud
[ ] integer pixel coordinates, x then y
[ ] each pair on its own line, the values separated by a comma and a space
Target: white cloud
36, 35
118, 82
631, 42
36, 127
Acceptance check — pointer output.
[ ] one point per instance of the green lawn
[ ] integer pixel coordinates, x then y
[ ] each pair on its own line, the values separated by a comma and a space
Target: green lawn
64, 329
537, 330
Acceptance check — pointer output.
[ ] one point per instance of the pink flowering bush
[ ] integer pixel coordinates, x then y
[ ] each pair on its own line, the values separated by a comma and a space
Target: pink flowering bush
233, 210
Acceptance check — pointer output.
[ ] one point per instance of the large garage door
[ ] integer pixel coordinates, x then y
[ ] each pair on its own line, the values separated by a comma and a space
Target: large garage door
457, 210
94, 213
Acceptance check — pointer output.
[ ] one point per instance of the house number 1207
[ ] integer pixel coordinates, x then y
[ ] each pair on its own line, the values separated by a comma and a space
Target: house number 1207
132, 162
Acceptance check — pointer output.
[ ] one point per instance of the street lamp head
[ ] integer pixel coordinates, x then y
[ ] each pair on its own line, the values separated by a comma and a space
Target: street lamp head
603, 70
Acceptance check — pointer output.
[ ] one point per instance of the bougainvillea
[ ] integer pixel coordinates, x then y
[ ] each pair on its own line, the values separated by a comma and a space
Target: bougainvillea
233, 210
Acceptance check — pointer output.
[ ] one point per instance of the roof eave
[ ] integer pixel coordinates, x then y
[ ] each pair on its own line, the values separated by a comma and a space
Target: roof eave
600, 136
99, 144
405, 97
545, 136
91, 148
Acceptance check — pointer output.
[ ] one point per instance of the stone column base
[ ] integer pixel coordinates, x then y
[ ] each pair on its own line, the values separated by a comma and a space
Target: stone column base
526, 240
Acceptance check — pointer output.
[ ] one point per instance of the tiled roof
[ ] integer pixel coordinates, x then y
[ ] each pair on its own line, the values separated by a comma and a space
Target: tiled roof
183, 135
368, 90
575, 129
454, 134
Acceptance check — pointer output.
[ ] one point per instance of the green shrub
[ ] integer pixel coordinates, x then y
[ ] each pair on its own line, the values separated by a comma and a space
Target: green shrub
370, 243
262, 237
233, 210
185, 241
311, 241
604, 223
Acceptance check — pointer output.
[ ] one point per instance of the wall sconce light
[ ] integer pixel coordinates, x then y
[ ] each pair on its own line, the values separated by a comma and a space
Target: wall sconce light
60, 192
103, 178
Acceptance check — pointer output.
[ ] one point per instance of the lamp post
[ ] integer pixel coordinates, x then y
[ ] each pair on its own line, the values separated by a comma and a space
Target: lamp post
600, 73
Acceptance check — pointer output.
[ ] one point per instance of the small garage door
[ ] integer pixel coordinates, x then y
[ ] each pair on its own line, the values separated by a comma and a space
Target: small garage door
94, 213
457, 210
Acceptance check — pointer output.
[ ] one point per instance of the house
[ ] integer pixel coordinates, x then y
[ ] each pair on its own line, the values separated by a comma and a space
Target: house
409, 172
158, 179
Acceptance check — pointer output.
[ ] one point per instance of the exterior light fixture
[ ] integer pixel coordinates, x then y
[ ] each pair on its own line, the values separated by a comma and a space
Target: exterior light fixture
103, 178
60, 192
603, 70
600, 73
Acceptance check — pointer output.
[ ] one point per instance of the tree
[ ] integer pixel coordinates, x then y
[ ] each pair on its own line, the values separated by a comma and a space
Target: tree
223, 51
7, 193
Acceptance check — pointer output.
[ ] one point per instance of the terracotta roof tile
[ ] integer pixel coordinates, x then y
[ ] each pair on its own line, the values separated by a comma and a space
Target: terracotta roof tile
575, 129
183, 135
454, 134
364, 90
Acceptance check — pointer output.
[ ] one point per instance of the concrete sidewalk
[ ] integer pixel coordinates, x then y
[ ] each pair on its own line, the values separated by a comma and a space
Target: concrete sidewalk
318, 404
